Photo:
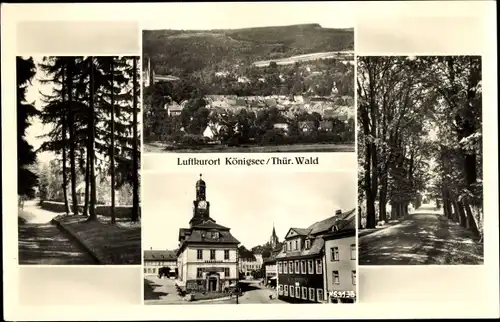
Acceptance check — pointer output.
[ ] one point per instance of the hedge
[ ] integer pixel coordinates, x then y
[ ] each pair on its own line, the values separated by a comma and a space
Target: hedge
121, 211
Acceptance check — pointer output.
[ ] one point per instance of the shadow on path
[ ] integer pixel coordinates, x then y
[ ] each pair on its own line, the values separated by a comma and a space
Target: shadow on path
149, 290
423, 238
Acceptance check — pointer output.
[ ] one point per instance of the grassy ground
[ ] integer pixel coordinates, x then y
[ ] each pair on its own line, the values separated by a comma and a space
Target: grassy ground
112, 244
158, 147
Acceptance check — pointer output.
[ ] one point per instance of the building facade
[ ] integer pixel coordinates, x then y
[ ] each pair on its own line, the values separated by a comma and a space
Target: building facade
271, 272
207, 257
156, 259
340, 261
301, 269
249, 262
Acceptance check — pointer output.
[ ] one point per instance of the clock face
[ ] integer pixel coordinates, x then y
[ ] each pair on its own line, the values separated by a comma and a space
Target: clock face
202, 204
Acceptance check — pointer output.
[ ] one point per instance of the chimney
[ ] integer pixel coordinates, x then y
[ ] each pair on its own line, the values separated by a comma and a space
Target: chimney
338, 212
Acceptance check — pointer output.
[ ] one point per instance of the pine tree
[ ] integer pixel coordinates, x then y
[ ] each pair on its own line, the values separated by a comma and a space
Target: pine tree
26, 156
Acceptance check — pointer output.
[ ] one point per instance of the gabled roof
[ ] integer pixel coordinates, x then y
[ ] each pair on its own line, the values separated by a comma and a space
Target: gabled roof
159, 255
209, 225
196, 236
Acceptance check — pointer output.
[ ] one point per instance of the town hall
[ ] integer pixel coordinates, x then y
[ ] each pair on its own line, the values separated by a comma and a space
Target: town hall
207, 256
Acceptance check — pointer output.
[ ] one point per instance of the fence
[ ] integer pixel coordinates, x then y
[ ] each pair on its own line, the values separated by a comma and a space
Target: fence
121, 211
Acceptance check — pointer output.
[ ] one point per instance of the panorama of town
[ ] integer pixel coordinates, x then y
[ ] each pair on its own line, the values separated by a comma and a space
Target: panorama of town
252, 97
314, 264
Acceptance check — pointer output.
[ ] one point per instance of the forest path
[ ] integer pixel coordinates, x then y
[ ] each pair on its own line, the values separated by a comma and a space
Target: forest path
41, 242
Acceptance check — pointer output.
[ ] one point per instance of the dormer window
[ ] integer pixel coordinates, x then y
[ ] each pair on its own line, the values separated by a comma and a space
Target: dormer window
308, 243
284, 247
216, 235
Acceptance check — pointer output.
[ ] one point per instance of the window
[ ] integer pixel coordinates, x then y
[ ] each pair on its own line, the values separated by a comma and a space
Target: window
145, 270
297, 267
154, 270
304, 293
308, 244
284, 247
286, 290
290, 267
212, 254
199, 272
292, 294
303, 266
280, 289
226, 272
199, 254
353, 277
285, 267
280, 267
319, 267
290, 245
226, 254
310, 268
334, 254
336, 278
296, 245
319, 296
311, 294
353, 251
297, 292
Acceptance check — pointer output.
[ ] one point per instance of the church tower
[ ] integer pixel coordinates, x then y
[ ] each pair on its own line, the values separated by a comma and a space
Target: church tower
201, 207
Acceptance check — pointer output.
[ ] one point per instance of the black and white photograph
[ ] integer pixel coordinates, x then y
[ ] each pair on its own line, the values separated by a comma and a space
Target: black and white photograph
216, 238
270, 88
420, 182
78, 135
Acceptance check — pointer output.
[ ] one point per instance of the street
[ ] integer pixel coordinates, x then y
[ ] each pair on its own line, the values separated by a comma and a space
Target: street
425, 237
162, 291
40, 242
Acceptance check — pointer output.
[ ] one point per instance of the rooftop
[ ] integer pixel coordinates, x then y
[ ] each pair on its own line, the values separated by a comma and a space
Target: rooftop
167, 255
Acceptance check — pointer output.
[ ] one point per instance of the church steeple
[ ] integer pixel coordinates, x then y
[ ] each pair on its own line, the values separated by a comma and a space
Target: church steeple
274, 239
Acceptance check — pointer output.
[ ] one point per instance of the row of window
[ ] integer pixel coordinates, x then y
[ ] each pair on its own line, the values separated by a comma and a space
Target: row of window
300, 267
199, 254
334, 253
303, 292
199, 272
157, 263
250, 266
336, 277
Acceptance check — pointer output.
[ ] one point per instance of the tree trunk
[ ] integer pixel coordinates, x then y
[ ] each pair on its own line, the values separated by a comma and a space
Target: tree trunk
135, 159
383, 198
370, 198
471, 221
87, 185
64, 140
112, 157
461, 214
71, 128
90, 149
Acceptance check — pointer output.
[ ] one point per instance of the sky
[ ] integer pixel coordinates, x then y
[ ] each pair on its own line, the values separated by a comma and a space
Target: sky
248, 203
244, 15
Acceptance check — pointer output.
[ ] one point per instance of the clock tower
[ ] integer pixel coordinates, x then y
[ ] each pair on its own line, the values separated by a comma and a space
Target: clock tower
200, 205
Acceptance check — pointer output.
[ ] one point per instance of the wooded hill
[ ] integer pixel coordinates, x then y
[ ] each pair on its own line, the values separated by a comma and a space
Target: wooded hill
181, 52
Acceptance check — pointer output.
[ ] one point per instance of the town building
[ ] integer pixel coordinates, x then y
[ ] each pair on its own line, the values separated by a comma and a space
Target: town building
249, 262
207, 257
156, 259
340, 260
301, 269
270, 272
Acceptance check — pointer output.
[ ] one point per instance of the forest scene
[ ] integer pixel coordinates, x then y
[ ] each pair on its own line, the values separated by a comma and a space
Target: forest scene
420, 160
78, 160
249, 90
